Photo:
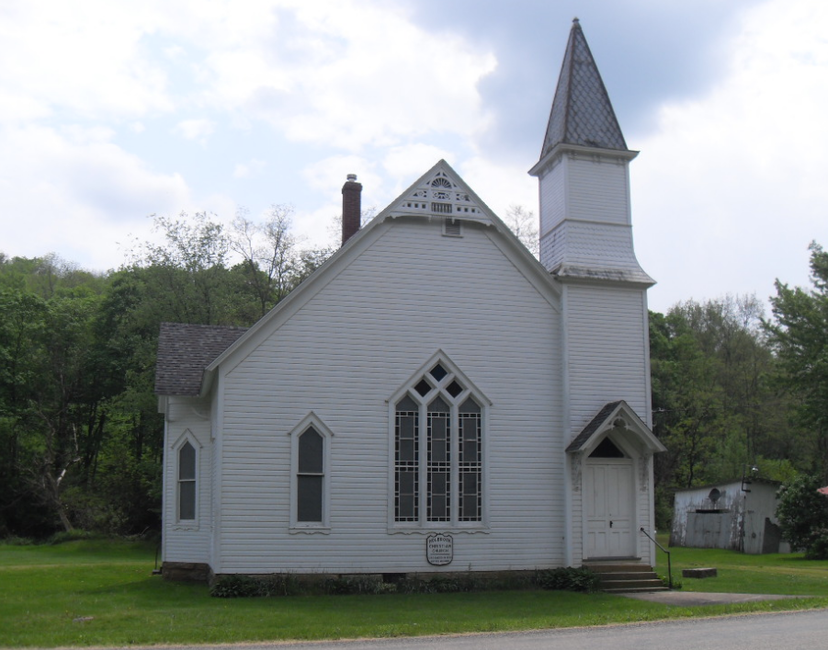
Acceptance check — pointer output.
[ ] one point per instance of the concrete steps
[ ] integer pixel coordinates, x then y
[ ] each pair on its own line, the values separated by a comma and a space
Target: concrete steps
622, 577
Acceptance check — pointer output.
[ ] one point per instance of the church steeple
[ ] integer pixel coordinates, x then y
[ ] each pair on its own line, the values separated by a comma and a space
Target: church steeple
585, 221
581, 112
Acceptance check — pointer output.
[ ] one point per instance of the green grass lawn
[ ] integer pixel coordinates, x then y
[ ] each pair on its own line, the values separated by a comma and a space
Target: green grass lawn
776, 573
102, 593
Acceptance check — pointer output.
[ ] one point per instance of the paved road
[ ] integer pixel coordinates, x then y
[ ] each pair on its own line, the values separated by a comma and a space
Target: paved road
783, 631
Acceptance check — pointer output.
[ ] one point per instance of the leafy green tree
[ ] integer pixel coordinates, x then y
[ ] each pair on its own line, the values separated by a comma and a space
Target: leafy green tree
51, 404
714, 406
687, 402
803, 516
799, 336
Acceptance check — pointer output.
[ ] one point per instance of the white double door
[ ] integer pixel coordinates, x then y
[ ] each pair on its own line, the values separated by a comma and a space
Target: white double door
609, 508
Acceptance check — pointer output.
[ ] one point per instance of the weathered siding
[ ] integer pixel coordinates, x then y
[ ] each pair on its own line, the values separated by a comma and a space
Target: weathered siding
187, 541
598, 189
597, 247
728, 516
585, 215
342, 355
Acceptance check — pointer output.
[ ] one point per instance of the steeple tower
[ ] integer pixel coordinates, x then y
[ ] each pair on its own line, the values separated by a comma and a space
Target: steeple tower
585, 225
586, 243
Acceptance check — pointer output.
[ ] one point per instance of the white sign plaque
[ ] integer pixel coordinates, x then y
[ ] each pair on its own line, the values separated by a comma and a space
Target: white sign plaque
439, 549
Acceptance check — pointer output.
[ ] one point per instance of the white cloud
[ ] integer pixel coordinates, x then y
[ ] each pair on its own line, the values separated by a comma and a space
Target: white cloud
251, 168
350, 74
83, 56
78, 194
195, 129
727, 193
328, 175
500, 185
408, 162
731, 189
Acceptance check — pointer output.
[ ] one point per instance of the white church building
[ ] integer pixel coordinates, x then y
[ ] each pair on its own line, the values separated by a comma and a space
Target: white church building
433, 398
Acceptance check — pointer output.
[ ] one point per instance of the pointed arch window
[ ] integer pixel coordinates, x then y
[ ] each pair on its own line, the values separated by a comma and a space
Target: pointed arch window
310, 481
310, 477
186, 497
438, 425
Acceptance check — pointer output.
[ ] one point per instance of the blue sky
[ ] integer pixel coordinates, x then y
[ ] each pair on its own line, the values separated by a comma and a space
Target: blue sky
112, 111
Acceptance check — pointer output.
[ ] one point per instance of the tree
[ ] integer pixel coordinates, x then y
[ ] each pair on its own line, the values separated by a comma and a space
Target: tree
80, 436
714, 406
799, 336
524, 225
52, 406
803, 516
186, 275
268, 252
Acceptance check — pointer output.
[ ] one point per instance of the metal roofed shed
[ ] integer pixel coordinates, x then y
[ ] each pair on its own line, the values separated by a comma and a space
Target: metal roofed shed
739, 515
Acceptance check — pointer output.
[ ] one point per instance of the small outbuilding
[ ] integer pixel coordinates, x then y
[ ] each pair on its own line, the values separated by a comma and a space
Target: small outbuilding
739, 515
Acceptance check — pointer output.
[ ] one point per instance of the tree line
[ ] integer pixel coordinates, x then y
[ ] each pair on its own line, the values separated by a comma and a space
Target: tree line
80, 436
81, 439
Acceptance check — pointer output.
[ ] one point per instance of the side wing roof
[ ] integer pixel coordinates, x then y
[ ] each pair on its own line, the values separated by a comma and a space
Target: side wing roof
184, 351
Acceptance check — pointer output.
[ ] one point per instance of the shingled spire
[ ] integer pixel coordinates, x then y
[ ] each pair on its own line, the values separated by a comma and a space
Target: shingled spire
581, 112
585, 220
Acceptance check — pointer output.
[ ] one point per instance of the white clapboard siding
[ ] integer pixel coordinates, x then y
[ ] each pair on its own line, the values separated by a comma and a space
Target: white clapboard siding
576, 501
187, 541
607, 360
606, 351
646, 517
585, 214
342, 355
599, 189
596, 246
552, 197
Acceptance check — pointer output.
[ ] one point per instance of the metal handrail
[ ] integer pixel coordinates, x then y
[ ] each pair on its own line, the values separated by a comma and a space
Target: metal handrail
669, 564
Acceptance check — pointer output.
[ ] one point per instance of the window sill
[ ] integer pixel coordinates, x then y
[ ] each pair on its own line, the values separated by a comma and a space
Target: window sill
180, 525
310, 530
431, 530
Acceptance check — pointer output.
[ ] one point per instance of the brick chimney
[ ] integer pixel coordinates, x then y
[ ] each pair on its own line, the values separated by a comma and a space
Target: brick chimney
351, 207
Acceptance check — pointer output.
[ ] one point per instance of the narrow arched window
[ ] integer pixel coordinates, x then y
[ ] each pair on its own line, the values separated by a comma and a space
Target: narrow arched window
438, 476
186, 482
310, 476
470, 461
407, 456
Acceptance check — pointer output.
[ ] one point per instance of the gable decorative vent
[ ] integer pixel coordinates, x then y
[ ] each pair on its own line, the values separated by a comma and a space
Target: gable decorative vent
440, 195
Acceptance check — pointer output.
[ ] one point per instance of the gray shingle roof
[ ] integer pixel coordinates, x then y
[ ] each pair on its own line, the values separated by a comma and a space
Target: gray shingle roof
581, 112
184, 351
582, 438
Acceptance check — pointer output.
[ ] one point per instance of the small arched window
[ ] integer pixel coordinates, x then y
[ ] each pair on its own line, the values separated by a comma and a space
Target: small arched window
310, 480
310, 477
186, 482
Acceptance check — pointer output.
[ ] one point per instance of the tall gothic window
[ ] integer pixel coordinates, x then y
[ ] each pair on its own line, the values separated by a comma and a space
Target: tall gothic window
438, 450
186, 482
310, 477
311, 480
